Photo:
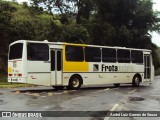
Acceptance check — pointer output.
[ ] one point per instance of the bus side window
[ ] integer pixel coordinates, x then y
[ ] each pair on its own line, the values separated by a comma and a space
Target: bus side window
37, 52
137, 56
92, 54
108, 55
123, 56
74, 53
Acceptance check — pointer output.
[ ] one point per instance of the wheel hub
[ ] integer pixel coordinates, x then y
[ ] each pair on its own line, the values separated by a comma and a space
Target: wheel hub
75, 82
137, 80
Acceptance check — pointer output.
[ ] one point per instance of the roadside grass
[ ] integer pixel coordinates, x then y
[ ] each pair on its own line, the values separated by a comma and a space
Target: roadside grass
5, 84
15, 85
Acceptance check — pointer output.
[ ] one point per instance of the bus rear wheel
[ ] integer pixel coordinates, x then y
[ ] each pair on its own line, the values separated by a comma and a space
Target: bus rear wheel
136, 81
58, 87
75, 83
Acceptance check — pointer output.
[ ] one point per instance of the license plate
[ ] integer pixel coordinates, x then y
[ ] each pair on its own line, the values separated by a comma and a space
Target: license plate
14, 79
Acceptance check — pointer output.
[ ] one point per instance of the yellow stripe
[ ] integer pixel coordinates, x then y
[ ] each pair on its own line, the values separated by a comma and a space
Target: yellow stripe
75, 44
74, 66
9, 70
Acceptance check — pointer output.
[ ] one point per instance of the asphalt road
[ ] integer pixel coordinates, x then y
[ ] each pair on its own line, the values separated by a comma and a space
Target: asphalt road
93, 98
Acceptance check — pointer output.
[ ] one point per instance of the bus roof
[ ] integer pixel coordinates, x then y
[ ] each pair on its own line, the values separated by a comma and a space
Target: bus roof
76, 44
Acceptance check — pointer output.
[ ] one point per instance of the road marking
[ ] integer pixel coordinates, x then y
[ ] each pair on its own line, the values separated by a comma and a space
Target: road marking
50, 94
113, 109
106, 89
65, 91
132, 91
77, 98
57, 93
43, 96
102, 90
36, 94
98, 91
17, 92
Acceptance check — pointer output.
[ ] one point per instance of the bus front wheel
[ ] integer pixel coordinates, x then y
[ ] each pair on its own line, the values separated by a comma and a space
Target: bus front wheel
136, 81
75, 82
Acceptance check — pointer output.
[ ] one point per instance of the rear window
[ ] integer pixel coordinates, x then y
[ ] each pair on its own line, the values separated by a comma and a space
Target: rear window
16, 51
37, 52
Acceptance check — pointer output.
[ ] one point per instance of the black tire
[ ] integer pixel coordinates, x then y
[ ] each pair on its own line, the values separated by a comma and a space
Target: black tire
116, 85
136, 81
58, 87
75, 83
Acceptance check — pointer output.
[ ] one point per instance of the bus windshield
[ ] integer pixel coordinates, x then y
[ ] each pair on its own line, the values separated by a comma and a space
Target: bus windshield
16, 51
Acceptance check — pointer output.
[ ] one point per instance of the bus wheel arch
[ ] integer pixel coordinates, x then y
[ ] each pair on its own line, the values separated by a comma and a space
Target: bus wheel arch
137, 78
75, 82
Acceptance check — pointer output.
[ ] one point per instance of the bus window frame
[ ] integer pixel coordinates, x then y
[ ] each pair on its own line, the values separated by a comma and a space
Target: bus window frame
100, 60
142, 57
10, 51
83, 52
115, 50
39, 60
130, 60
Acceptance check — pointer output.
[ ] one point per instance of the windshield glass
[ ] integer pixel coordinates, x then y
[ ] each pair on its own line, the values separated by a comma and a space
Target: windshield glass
16, 51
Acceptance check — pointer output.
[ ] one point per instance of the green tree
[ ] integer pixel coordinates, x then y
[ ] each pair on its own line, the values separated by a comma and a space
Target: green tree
5, 31
80, 9
24, 22
125, 23
74, 34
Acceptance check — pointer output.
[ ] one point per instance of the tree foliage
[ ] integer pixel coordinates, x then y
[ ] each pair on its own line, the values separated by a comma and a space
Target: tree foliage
125, 23
5, 30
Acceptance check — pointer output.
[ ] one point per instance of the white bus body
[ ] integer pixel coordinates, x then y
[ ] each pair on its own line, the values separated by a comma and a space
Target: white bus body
72, 65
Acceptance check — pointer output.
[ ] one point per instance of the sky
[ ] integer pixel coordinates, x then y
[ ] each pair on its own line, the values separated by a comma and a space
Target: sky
155, 36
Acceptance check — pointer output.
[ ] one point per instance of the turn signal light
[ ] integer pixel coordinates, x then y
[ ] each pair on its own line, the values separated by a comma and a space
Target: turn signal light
9, 74
20, 75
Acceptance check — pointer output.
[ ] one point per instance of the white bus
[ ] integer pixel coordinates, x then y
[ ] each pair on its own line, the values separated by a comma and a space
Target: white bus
72, 65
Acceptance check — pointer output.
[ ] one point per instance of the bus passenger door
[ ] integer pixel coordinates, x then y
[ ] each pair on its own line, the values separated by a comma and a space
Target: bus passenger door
147, 67
56, 67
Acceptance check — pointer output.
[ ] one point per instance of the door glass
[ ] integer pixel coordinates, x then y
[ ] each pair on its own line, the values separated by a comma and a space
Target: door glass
145, 67
52, 60
148, 67
148, 61
144, 61
59, 60
147, 71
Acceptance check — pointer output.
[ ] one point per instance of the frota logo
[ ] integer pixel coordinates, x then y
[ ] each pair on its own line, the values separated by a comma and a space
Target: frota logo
96, 67
109, 68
